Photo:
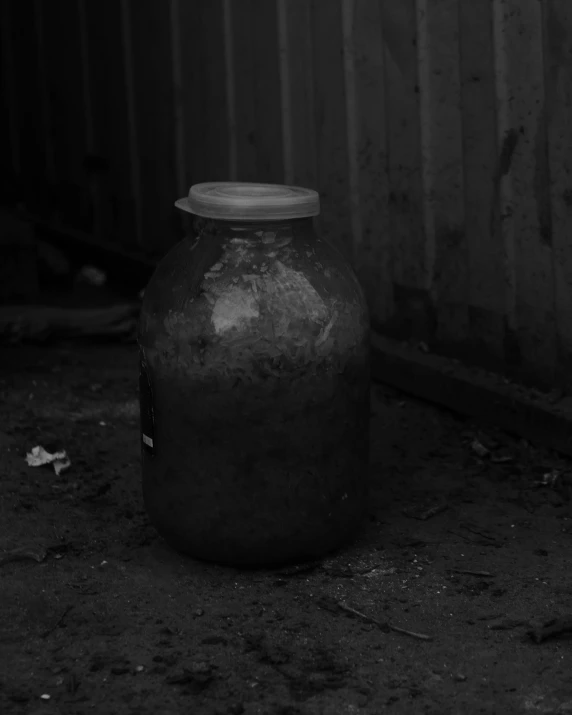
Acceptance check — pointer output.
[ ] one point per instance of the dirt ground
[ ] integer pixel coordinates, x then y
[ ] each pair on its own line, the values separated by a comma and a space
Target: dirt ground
467, 540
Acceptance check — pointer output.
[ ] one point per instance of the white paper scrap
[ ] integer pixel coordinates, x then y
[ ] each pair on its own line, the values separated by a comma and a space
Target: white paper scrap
38, 457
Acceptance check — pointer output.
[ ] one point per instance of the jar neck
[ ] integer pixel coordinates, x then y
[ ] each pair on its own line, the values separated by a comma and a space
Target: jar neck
238, 228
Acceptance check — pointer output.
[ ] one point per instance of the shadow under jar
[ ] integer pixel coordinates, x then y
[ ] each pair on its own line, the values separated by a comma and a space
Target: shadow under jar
254, 382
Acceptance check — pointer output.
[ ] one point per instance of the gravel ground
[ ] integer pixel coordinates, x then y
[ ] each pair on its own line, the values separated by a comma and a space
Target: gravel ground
442, 604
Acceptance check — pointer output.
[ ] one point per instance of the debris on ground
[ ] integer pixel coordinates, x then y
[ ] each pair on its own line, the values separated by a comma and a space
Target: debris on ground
198, 673
39, 457
502, 458
479, 449
549, 479
507, 624
178, 617
23, 553
92, 275
487, 448
553, 627
424, 512
336, 570
559, 480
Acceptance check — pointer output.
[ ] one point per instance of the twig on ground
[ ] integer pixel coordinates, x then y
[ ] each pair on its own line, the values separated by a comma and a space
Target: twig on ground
362, 616
461, 536
424, 512
413, 634
472, 529
58, 623
486, 574
478, 542
385, 626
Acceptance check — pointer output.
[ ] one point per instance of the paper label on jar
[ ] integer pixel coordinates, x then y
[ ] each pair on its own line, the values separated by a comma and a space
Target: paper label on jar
146, 406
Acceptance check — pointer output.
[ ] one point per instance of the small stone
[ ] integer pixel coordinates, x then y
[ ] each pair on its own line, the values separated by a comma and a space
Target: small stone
459, 678
199, 612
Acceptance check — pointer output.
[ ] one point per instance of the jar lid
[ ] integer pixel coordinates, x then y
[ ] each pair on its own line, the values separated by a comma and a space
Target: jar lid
243, 201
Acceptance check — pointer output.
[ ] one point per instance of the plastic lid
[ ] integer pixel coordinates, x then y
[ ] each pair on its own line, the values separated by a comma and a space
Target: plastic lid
249, 201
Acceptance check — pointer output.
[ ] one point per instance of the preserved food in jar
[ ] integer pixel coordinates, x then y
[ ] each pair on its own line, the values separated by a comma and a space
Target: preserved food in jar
254, 382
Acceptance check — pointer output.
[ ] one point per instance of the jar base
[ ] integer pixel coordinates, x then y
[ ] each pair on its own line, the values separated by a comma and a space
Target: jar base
265, 554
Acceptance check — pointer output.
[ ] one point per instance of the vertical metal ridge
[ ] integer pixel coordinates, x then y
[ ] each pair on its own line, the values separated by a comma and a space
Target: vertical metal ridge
284, 68
87, 103
424, 82
230, 90
130, 91
178, 109
44, 98
352, 131
505, 180
8, 81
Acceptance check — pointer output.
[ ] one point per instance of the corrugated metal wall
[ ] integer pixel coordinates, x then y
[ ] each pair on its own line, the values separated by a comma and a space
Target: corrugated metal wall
438, 132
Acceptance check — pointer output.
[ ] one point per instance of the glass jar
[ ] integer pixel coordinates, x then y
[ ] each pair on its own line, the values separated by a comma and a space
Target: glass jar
254, 382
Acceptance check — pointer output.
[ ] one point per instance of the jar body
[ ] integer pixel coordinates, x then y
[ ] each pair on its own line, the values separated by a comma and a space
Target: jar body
254, 348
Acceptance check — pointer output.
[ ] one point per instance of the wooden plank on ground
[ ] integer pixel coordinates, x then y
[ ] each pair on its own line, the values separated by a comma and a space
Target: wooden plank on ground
474, 393
483, 168
330, 122
151, 60
558, 76
413, 310
442, 168
525, 207
367, 143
